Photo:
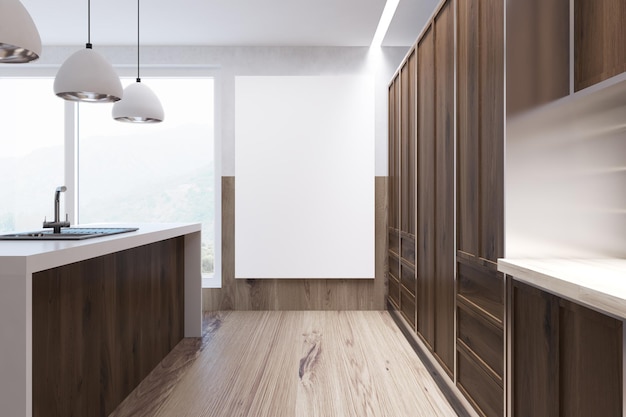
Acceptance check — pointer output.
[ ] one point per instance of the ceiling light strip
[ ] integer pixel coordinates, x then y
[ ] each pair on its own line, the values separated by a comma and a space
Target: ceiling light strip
384, 22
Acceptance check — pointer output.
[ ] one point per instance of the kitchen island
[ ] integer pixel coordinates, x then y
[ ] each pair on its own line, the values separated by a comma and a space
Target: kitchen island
82, 321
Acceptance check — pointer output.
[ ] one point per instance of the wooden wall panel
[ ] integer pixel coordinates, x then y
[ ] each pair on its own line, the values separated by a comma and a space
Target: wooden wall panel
444, 186
426, 186
297, 294
101, 325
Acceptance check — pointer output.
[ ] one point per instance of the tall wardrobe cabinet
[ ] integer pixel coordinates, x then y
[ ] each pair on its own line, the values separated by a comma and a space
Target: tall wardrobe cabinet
421, 192
446, 151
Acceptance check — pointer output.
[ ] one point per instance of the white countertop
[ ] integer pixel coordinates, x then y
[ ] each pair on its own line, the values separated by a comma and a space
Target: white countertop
596, 283
28, 256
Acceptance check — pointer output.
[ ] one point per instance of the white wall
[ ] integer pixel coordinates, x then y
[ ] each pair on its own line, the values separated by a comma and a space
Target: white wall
227, 62
566, 177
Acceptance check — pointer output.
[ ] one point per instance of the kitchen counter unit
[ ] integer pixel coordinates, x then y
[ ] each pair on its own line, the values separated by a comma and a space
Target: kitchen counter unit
20, 261
599, 284
566, 344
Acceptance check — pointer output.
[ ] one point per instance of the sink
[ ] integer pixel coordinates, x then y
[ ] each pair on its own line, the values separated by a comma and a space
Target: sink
69, 233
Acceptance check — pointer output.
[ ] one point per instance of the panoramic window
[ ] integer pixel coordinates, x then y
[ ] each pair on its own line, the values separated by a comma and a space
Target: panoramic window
31, 156
143, 173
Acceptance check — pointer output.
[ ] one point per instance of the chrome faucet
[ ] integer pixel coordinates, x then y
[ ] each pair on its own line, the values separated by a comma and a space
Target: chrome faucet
57, 224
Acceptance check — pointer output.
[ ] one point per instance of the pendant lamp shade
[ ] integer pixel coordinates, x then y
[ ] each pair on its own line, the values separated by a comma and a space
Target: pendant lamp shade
139, 105
87, 76
19, 38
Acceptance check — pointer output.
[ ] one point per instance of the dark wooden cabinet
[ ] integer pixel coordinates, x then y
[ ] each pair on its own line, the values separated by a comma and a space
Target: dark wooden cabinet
402, 191
566, 358
539, 68
426, 187
480, 130
599, 38
538, 53
444, 185
480, 204
408, 178
421, 164
393, 211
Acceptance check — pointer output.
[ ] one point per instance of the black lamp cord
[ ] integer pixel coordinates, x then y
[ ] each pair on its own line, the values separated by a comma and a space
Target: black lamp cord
89, 24
138, 79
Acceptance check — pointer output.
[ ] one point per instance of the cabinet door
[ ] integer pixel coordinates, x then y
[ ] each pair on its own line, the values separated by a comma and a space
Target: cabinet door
444, 186
468, 134
567, 359
480, 162
538, 67
394, 167
590, 362
408, 157
535, 347
599, 38
492, 130
426, 186
393, 233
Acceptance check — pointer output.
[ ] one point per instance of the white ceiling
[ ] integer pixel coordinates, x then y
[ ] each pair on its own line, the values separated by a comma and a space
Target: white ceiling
227, 22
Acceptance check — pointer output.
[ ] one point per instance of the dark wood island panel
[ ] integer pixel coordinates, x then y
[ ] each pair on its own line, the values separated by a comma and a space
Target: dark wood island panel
101, 325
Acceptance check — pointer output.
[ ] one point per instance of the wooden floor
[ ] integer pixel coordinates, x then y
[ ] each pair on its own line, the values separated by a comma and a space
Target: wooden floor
295, 364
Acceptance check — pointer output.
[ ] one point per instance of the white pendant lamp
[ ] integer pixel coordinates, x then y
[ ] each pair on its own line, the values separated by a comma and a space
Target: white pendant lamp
19, 38
87, 76
140, 104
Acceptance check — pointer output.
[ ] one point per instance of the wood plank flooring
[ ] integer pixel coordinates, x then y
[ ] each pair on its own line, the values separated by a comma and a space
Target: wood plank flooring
291, 363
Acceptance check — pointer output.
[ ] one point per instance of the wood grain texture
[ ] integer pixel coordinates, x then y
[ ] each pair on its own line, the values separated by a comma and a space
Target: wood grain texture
535, 350
152, 392
480, 142
394, 155
444, 186
478, 385
297, 294
482, 287
492, 130
482, 338
567, 359
480, 202
468, 127
426, 185
409, 137
599, 34
273, 364
101, 325
591, 362
406, 190
538, 53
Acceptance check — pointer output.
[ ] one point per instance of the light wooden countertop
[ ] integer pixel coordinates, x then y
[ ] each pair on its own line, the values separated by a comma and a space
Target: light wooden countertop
596, 283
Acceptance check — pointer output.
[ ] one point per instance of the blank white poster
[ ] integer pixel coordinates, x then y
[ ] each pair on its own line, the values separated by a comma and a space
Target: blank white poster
304, 177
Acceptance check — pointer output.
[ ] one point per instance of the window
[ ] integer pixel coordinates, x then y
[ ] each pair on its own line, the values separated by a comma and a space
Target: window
162, 172
125, 172
31, 156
